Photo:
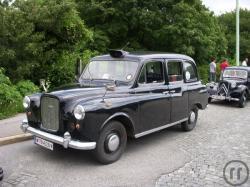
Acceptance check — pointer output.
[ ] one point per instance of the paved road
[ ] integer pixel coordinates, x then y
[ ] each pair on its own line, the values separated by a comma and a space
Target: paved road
11, 126
167, 158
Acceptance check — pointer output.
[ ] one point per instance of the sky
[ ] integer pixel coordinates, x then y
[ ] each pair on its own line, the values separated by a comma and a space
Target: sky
222, 6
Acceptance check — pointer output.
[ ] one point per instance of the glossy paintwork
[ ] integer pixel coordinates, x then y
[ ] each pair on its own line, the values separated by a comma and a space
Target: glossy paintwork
139, 107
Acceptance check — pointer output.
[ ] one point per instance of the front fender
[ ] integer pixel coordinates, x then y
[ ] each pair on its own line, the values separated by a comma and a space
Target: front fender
241, 89
123, 118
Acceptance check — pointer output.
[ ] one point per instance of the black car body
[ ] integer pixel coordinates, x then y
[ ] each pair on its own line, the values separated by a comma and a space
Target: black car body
163, 90
233, 86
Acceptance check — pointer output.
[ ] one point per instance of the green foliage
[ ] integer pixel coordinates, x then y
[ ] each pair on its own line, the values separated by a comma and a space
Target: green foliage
203, 71
4, 79
10, 98
42, 39
36, 35
229, 27
11, 95
26, 88
174, 26
10, 101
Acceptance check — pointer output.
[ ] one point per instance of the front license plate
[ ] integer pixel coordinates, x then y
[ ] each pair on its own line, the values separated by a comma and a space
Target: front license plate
219, 97
44, 143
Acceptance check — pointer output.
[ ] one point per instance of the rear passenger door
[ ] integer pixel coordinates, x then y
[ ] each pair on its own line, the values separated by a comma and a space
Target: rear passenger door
177, 90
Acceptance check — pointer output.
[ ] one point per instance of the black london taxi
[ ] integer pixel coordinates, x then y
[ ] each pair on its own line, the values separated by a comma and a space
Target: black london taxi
233, 86
119, 95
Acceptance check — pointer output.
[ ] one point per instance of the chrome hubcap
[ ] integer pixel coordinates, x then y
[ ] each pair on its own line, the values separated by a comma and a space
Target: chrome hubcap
192, 117
113, 142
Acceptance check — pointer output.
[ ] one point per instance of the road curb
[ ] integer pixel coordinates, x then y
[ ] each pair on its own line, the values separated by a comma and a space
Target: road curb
15, 139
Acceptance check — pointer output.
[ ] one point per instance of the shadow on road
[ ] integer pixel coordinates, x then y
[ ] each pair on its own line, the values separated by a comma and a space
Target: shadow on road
134, 146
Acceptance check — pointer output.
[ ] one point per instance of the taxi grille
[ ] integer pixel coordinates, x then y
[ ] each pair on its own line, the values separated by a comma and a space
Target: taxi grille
50, 113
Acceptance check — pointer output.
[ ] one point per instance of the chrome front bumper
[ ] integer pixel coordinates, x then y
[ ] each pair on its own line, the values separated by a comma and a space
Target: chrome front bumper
219, 97
65, 141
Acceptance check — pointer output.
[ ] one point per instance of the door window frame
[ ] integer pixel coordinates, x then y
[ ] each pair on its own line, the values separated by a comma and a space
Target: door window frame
182, 71
159, 60
195, 70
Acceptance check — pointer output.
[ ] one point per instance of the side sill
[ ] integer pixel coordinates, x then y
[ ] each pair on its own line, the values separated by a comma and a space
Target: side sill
159, 128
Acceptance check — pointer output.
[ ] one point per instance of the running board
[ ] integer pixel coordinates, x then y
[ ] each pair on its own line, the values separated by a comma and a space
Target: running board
159, 128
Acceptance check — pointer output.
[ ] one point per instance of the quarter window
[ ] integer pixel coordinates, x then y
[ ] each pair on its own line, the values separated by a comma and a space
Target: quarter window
190, 72
152, 72
174, 71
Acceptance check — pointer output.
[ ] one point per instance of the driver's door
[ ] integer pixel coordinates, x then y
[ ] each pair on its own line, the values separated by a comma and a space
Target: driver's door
154, 97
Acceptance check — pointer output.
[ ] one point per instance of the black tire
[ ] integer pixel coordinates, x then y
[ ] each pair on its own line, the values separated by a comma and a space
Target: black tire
243, 100
191, 122
1, 174
209, 100
102, 152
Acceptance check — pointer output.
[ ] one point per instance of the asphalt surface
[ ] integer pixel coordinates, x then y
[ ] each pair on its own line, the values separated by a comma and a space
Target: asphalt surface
11, 126
166, 158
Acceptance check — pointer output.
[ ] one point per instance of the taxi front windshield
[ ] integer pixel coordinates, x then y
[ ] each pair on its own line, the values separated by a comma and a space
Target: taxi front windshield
233, 73
119, 70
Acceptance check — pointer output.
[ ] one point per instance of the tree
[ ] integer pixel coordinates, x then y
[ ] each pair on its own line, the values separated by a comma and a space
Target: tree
228, 22
180, 26
35, 37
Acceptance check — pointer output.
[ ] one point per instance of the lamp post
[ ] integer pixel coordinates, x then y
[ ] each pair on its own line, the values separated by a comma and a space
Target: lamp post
237, 33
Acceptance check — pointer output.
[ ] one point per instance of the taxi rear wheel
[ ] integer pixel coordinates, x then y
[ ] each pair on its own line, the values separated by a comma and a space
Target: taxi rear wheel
192, 119
111, 143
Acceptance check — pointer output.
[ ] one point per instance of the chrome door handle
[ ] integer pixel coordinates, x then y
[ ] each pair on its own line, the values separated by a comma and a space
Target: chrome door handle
166, 92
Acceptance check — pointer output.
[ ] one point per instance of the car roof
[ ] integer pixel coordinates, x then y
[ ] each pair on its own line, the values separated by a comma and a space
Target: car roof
141, 56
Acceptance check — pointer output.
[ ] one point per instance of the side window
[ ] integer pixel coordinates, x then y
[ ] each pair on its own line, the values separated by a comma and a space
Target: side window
174, 71
190, 72
152, 72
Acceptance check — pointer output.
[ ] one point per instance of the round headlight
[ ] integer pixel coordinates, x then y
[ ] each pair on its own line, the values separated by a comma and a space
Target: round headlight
79, 112
233, 84
26, 102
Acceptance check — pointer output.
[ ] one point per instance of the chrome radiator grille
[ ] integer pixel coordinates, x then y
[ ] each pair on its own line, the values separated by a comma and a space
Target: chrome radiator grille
50, 113
223, 89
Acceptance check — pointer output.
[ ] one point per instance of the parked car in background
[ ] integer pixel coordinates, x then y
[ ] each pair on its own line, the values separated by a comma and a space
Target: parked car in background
233, 86
119, 95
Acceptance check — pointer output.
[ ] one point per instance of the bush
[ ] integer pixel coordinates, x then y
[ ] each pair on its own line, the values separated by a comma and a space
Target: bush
10, 101
4, 79
203, 70
26, 87
11, 95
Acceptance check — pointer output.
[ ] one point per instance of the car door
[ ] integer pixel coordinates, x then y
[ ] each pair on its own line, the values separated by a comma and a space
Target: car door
153, 96
177, 90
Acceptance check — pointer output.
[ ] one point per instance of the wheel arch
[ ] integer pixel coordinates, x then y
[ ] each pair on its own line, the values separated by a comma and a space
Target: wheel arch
123, 118
198, 105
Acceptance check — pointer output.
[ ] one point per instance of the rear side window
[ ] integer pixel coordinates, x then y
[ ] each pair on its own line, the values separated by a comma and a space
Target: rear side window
190, 72
174, 71
152, 72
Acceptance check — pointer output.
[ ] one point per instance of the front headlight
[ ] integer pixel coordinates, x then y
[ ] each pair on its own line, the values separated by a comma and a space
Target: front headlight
79, 112
233, 84
26, 102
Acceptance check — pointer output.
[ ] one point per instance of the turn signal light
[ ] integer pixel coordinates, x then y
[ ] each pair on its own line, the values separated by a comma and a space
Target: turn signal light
77, 126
